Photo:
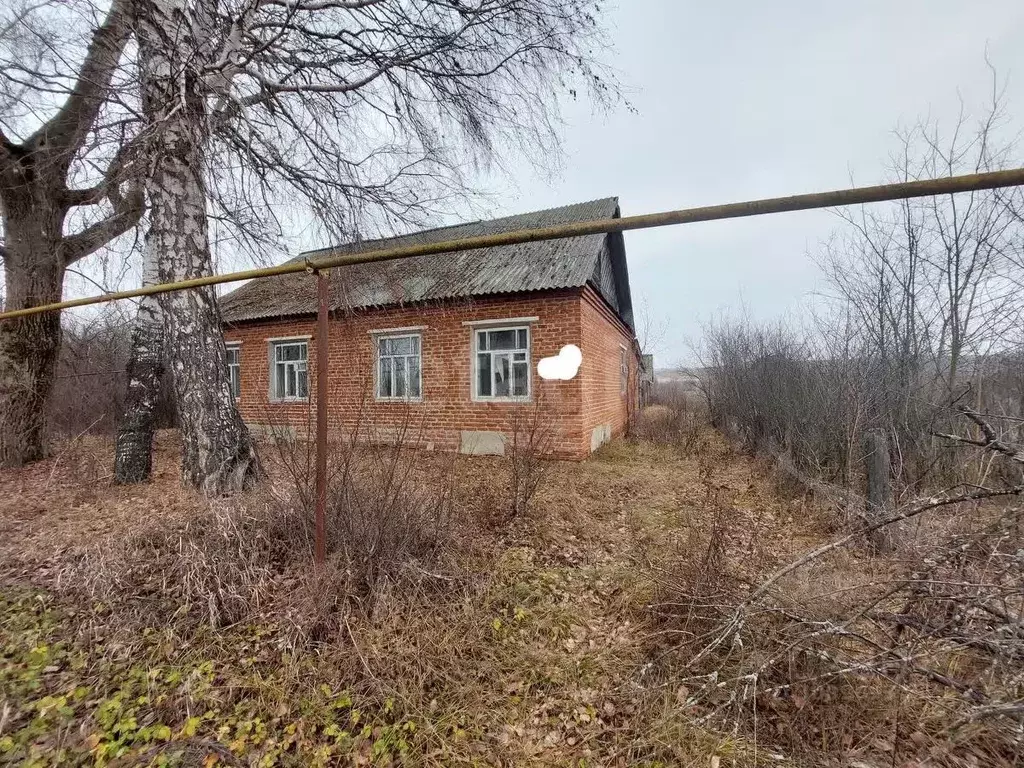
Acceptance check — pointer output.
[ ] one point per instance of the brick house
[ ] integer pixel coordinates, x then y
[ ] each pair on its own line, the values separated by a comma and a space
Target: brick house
444, 349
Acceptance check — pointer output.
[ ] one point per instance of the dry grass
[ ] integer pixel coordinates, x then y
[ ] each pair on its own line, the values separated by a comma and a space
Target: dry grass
677, 418
567, 636
389, 527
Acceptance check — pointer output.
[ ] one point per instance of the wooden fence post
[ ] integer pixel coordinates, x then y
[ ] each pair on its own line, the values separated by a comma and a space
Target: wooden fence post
878, 468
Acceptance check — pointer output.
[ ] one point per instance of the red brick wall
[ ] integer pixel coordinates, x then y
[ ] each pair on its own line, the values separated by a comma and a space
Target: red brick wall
447, 406
604, 336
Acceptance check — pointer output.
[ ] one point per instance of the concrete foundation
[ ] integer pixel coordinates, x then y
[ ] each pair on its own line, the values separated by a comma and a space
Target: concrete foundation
482, 443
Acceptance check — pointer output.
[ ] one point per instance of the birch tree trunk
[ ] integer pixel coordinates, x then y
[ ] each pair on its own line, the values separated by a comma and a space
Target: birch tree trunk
218, 455
133, 455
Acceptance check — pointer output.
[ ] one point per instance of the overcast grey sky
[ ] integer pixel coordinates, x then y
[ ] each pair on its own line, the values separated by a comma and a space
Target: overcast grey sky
746, 99
740, 100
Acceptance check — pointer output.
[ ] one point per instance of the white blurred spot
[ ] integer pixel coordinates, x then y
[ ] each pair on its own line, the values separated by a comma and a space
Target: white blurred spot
563, 367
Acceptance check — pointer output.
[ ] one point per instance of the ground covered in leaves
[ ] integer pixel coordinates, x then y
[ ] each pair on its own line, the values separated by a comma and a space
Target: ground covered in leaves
531, 643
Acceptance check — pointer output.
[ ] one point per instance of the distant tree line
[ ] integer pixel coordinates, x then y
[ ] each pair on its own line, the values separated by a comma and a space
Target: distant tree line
923, 317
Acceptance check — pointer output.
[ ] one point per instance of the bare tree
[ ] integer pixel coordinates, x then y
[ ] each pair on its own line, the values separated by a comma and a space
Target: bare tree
650, 329
349, 110
929, 278
976, 239
43, 163
218, 455
928, 285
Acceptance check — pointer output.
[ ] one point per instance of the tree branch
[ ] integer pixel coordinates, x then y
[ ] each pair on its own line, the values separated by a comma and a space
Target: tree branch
119, 171
66, 130
128, 210
992, 441
320, 5
912, 511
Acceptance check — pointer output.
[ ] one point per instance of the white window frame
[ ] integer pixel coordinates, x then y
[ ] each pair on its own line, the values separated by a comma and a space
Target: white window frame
399, 334
474, 351
273, 346
623, 371
501, 321
235, 368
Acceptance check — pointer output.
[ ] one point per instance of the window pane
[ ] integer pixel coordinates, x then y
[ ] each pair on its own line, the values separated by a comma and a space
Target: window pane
414, 377
519, 357
481, 340
399, 363
234, 375
384, 346
502, 375
415, 345
302, 348
522, 338
520, 385
502, 339
232, 355
483, 370
384, 379
303, 388
289, 381
401, 346
279, 380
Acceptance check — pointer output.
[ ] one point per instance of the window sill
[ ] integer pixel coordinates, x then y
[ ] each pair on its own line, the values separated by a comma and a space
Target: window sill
517, 400
410, 400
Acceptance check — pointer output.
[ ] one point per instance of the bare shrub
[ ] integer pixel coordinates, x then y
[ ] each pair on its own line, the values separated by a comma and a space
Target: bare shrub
675, 418
89, 378
528, 447
811, 395
389, 506
386, 523
389, 524
765, 389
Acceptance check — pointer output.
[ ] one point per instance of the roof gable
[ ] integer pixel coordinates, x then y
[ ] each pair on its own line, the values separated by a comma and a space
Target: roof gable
547, 265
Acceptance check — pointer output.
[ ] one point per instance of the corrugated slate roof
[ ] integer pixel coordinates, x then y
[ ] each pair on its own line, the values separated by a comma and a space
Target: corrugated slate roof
552, 264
